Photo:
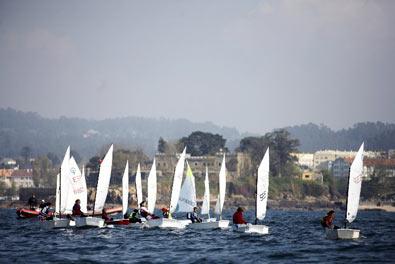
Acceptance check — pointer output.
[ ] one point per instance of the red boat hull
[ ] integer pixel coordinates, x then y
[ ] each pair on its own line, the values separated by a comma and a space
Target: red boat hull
118, 222
26, 213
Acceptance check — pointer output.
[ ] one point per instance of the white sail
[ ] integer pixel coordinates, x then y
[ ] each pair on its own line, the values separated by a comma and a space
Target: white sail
57, 199
206, 198
222, 188
187, 199
151, 189
354, 185
84, 195
64, 182
125, 188
262, 187
175, 194
78, 185
104, 180
139, 190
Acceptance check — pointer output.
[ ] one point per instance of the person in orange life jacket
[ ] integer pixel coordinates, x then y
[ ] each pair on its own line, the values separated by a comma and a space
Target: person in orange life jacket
194, 216
77, 208
145, 213
105, 216
238, 218
327, 221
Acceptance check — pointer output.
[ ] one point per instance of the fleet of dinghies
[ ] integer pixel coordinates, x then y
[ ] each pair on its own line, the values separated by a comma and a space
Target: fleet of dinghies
71, 185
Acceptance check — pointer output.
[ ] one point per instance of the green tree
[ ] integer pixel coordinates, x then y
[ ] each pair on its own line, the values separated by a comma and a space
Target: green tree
200, 143
162, 146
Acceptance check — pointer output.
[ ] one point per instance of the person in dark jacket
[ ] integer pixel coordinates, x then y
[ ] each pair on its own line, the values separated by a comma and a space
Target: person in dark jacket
32, 202
194, 216
238, 218
105, 216
77, 208
135, 217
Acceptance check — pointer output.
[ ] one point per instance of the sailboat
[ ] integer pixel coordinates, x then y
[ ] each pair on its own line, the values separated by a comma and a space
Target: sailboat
213, 223
187, 200
353, 194
262, 189
125, 198
176, 188
103, 183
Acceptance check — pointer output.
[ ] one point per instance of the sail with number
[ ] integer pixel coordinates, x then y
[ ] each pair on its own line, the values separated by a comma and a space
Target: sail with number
262, 187
222, 188
65, 182
206, 198
78, 185
125, 189
139, 191
354, 185
151, 188
103, 181
175, 194
187, 199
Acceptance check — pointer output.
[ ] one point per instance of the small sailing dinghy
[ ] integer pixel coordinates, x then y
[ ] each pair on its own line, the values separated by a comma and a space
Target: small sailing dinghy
262, 189
213, 223
353, 194
103, 183
125, 198
169, 222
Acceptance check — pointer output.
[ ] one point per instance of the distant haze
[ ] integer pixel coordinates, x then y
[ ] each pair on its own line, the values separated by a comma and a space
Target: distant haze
253, 65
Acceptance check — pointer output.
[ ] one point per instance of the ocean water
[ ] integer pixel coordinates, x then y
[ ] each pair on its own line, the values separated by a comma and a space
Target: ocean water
295, 237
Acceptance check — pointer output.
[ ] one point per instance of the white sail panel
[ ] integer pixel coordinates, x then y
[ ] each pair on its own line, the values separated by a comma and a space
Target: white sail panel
64, 181
222, 188
139, 190
78, 185
187, 199
354, 185
57, 199
151, 189
262, 187
84, 195
104, 180
125, 188
175, 194
206, 198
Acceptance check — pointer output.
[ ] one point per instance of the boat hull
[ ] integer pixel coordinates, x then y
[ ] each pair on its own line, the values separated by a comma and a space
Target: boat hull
59, 223
86, 222
26, 213
166, 223
342, 233
118, 222
249, 228
211, 224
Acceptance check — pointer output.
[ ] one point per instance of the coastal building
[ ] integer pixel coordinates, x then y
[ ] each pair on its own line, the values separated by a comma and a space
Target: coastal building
340, 167
310, 175
324, 158
379, 167
8, 163
5, 176
304, 159
22, 178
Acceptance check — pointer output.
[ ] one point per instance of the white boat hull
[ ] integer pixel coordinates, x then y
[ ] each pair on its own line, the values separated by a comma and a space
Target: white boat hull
342, 233
167, 223
89, 222
59, 223
210, 224
250, 228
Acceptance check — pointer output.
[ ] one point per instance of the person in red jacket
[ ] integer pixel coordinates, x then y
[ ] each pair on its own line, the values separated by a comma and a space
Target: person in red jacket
77, 208
238, 217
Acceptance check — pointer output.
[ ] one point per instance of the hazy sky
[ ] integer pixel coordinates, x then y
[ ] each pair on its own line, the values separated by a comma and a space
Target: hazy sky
254, 65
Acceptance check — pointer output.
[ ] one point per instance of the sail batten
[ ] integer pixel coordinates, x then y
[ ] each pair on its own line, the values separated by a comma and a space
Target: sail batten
354, 185
125, 189
187, 199
262, 187
152, 188
104, 180
177, 180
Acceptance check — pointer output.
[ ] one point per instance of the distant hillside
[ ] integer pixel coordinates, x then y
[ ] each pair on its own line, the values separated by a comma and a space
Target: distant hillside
87, 137
377, 136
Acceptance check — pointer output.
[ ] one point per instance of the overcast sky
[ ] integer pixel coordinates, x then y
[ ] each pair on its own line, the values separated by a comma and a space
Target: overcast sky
254, 65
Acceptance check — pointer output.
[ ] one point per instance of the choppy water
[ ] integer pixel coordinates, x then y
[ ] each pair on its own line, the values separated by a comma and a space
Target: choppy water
294, 237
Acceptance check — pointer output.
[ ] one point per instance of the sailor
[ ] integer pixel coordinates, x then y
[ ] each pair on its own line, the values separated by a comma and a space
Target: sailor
77, 208
32, 202
327, 221
145, 213
165, 212
238, 218
105, 216
194, 216
135, 217
44, 212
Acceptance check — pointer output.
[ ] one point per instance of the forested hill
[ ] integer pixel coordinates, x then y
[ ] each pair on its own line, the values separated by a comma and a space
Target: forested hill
377, 136
87, 137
